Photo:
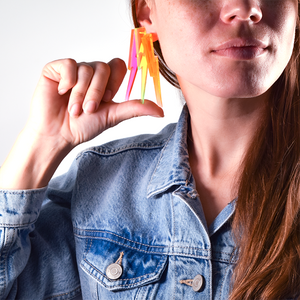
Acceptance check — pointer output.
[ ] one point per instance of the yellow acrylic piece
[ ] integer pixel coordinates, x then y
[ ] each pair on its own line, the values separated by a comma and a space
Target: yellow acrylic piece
144, 69
142, 57
138, 34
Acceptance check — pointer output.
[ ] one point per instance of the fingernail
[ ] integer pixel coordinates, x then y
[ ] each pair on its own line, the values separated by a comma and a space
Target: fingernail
107, 95
75, 110
62, 92
90, 107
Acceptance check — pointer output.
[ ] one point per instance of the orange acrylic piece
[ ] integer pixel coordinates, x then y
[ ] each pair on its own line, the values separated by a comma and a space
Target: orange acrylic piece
142, 57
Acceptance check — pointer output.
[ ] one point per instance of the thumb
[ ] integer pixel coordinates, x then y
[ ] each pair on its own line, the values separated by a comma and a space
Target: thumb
119, 112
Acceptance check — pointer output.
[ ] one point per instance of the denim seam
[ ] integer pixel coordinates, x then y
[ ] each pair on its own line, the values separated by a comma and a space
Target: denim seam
17, 225
210, 280
173, 238
222, 284
28, 192
149, 275
160, 158
164, 187
175, 279
3, 260
127, 246
226, 269
151, 292
190, 255
85, 247
4, 254
114, 151
65, 294
195, 248
88, 248
101, 231
230, 260
222, 260
105, 285
160, 253
223, 252
173, 245
137, 296
141, 293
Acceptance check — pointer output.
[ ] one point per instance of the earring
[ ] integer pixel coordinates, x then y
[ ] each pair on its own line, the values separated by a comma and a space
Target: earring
141, 57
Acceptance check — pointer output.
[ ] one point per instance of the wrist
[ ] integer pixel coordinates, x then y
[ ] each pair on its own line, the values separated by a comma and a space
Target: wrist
32, 161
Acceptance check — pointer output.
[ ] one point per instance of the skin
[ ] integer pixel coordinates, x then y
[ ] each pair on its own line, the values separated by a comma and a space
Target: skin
72, 104
225, 95
226, 91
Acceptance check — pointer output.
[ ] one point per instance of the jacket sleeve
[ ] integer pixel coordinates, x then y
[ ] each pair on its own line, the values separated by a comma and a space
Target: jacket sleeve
37, 250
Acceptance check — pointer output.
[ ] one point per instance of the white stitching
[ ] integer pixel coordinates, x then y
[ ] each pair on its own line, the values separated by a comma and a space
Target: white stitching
161, 262
122, 285
134, 242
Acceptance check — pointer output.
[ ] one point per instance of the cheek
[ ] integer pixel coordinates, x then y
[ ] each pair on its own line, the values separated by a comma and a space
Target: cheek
183, 29
281, 16
283, 24
177, 16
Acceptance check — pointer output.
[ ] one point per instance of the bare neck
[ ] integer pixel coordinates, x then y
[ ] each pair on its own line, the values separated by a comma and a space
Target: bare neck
221, 131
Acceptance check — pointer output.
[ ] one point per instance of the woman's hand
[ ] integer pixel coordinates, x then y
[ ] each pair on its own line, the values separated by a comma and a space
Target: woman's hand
73, 102
71, 105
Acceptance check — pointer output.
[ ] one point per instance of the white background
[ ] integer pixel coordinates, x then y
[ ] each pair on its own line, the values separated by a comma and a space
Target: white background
34, 32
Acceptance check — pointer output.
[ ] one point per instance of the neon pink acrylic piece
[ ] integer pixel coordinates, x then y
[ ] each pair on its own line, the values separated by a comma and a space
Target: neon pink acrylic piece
133, 67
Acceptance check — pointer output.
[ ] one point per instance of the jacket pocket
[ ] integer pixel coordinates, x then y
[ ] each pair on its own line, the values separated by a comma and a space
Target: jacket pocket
138, 266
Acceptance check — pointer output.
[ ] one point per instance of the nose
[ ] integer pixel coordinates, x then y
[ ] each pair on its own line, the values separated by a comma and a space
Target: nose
241, 10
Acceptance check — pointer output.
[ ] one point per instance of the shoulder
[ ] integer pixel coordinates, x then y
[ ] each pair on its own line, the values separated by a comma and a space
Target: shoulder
140, 142
104, 161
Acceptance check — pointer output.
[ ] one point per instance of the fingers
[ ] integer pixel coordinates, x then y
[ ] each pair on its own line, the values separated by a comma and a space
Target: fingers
96, 88
90, 83
84, 74
118, 71
62, 71
89, 89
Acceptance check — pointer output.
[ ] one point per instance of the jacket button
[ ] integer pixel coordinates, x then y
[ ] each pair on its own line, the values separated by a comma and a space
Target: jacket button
114, 271
197, 283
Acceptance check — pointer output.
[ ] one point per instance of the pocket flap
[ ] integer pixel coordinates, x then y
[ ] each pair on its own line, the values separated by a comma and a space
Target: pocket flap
138, 267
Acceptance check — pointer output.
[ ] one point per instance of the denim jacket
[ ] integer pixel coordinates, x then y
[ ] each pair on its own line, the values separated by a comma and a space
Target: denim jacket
125, 222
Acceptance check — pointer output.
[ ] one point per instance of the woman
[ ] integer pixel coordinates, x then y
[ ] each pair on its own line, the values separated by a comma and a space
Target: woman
207, 209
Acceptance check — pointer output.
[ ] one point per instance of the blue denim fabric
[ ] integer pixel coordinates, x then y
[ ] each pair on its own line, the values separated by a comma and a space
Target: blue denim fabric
134, 196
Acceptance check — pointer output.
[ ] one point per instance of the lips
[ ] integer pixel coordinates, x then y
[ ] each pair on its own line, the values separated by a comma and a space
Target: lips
241, 49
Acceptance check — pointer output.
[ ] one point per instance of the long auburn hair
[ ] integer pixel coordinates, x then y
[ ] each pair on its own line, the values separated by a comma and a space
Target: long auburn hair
266, 223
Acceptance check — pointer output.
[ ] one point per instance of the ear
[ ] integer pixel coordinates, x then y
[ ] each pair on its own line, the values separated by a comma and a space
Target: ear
144, 10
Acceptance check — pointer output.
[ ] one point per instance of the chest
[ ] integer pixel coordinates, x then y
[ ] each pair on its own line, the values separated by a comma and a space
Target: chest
158, 250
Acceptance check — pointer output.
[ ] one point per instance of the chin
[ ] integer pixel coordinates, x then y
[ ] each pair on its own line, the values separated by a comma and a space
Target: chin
244, 89
243, 94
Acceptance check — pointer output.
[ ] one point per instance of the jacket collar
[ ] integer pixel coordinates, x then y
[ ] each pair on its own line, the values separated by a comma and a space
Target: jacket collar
173, 166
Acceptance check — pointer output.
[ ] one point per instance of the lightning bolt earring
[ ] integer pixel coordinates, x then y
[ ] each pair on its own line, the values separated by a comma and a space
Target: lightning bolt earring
141, 57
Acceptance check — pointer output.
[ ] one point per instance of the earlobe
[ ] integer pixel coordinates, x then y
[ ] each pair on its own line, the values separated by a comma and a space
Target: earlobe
144, 17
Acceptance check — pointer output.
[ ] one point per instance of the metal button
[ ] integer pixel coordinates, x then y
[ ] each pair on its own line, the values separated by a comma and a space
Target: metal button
198, 283
114, 271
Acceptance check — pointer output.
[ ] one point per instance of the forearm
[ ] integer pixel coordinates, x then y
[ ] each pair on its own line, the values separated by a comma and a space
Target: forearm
31, 162
37, 243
